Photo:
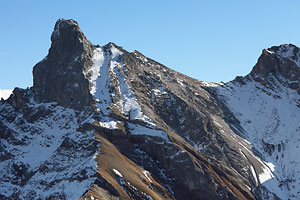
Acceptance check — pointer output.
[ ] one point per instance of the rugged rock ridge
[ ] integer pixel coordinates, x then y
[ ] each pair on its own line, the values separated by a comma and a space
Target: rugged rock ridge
159, 134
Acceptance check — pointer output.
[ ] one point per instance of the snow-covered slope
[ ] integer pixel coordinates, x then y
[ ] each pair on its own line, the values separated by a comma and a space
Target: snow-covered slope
43, 154
270, 118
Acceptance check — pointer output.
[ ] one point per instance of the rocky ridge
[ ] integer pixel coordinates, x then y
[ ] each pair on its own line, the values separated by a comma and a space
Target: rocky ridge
153, 132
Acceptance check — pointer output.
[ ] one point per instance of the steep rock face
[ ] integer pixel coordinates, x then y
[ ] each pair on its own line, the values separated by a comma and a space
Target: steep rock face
280, 62
59, 77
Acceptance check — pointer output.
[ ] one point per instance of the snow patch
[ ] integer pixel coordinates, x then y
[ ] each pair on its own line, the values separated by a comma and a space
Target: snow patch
98, 60
109, 125
142, 130
5, 93
147, 175
101, 80
265, 175
254, 174
117, 173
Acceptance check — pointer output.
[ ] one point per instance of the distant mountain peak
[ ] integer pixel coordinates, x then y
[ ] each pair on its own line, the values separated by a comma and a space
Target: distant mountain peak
281, 63
288, 51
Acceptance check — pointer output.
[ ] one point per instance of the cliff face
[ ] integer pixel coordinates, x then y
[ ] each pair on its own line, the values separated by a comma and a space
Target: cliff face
281, 63
109, 124
59, 77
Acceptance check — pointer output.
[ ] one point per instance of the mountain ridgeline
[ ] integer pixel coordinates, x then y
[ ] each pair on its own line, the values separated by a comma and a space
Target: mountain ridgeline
104, 123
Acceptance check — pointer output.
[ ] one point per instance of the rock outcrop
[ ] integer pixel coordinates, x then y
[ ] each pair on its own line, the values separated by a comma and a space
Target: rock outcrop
279, 62
59, 77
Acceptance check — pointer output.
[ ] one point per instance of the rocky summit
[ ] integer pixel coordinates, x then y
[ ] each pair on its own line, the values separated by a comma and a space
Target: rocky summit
100, 122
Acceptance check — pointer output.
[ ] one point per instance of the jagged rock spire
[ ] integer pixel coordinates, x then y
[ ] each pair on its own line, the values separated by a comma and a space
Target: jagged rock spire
59, 76
68, 39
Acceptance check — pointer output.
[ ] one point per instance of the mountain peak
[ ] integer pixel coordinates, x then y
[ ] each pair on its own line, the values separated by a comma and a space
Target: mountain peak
62, 25
67, 37
281, 63
288, 51
59, 76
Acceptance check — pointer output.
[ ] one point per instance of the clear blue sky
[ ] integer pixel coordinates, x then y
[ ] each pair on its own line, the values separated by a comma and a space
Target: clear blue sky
208, 40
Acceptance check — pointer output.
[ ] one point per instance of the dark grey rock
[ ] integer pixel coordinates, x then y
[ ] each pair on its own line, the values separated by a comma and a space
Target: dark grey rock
59, 76
18, 99
271, 64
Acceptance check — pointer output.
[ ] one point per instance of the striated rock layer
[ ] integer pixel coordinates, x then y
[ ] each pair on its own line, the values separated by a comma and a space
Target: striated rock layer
104, 123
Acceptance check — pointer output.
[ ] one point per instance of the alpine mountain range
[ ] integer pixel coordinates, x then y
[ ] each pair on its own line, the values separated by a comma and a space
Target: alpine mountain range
100, 122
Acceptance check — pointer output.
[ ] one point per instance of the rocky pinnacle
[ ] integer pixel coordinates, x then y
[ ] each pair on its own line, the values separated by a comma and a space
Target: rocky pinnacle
59, 76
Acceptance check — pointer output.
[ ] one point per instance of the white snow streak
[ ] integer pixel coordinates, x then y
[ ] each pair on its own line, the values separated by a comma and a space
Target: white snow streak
108, 66
147, 174
118, 173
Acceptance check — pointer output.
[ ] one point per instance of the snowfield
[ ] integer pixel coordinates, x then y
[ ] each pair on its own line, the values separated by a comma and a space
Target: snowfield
271, 121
